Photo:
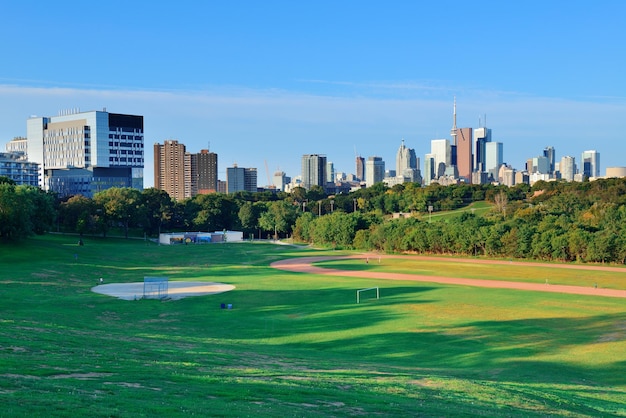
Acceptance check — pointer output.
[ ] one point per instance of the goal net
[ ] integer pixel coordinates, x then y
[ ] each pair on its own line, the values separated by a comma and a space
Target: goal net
155, 287
369, 289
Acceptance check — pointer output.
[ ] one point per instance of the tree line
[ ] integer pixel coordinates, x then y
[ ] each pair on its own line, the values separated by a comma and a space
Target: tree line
549, 221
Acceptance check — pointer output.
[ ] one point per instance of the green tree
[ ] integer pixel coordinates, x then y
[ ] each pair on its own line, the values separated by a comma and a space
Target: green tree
279, 218
15, 213
7, 180
215, 212
298, 194
156, 210
43, 204
78, 214
303, 226
315, 193
362, 240
120, 205
249, 214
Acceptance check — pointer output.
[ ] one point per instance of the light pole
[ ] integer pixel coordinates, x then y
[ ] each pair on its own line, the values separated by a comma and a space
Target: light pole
332, 203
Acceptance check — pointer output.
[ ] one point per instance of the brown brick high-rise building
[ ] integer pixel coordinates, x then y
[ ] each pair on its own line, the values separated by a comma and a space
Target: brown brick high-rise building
204, 172
170, 161
182, 174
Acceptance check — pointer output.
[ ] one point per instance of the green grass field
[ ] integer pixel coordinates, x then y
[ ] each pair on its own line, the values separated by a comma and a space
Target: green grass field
294, 344
478, 208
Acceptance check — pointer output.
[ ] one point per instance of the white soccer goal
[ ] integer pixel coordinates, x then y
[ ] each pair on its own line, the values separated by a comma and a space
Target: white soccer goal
155, 287
358, 293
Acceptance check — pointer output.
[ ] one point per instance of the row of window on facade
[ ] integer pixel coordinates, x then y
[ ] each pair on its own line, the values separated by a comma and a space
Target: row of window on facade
67, 132
125, 144
125, 152
64, 150
115, 129
125, 160
135, 137
63, 139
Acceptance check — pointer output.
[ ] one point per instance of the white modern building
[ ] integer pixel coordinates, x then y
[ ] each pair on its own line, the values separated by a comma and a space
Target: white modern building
15, 166
374, 171
540, 165
493, 158
429, 168
86, 152
590, 164
17, 144
567, 168
280, 180
330, 172
482, 136
442, 151
535, 177
550, 154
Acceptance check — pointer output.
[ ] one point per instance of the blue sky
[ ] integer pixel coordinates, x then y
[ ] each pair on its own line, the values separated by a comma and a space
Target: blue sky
265, 82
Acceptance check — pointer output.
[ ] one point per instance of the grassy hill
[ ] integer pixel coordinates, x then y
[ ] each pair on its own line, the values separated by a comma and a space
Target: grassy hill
477, 208
294, 344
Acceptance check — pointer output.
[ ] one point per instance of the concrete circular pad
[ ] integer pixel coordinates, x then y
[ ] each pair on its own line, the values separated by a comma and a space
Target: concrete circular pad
176, 290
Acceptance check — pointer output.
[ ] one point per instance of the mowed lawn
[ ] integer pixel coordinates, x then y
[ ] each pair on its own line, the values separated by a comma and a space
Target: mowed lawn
294, 344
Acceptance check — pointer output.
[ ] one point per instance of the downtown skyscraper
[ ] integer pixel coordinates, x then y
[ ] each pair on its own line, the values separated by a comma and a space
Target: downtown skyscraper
241, 179
313, 170
360, 168
482, 136
405, 160
590, 164
462, 141
374, 170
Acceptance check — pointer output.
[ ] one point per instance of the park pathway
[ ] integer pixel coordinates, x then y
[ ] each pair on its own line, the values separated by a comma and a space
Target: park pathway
304, 265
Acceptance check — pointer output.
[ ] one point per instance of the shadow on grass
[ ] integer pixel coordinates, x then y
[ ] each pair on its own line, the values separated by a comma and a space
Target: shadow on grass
299, 314
525, 350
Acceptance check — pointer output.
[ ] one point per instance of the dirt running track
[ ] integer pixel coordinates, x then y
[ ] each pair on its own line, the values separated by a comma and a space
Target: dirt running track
303, 265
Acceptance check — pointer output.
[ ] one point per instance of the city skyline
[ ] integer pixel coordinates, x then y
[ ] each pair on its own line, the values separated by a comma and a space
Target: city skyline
269, 83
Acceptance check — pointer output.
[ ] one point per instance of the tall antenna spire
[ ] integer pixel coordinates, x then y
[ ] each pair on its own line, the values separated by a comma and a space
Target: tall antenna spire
453, 130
